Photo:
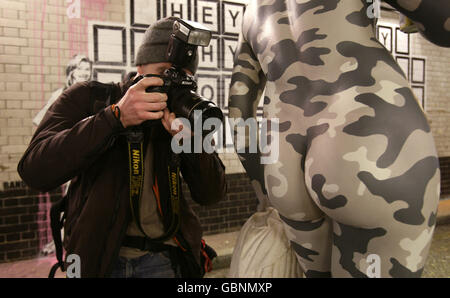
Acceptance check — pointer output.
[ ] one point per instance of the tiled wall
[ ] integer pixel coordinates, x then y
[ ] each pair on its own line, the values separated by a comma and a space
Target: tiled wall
38, 38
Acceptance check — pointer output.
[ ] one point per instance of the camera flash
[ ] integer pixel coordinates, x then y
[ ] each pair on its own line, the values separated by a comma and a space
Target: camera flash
192, 33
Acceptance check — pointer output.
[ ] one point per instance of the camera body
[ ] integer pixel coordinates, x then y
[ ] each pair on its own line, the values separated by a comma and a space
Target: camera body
180, 86
182, 98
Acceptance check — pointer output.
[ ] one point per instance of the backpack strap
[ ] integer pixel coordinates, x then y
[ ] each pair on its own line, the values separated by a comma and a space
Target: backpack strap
102, 95
57, 223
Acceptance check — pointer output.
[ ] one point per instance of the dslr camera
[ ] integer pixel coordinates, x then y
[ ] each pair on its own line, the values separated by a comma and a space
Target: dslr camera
180, 86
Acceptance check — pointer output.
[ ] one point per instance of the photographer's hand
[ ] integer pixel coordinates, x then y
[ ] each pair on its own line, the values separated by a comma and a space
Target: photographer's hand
174, 126
138, 106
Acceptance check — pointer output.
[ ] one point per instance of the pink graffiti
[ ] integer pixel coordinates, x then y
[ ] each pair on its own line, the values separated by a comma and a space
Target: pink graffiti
78, 27
77, 34
78, 44
39, 69
43, 221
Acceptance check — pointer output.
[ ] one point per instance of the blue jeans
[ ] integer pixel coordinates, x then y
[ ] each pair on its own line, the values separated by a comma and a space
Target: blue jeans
150, 265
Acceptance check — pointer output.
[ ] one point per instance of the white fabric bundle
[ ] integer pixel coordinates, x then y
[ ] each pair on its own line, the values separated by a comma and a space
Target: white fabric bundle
262, 249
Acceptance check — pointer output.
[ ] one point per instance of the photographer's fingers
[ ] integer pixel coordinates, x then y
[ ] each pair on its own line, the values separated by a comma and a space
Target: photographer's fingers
149, 111
154, 97
152, 115
153, 106
138, 105
148, 82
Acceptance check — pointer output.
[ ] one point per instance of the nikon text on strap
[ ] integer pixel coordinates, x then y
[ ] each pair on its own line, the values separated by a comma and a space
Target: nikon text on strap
135, 140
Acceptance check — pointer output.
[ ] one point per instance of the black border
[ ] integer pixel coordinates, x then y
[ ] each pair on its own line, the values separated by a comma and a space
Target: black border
423, 94
132, 35
158, 14
222, 49
222, 24
218, 14
175, 286
108, 70
408, 74
412, 70
396, 42
124, 45
217, 67
378, 36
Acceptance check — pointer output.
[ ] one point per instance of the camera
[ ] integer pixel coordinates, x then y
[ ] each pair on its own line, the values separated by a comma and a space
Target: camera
180, 86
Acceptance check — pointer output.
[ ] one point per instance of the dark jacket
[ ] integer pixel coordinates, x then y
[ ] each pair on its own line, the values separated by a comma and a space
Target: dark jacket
80, 140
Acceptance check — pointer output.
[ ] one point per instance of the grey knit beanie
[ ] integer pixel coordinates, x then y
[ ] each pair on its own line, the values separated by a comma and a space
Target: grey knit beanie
154, 44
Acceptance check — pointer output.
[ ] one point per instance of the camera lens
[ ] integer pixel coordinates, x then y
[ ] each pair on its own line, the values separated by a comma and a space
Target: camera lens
184, 102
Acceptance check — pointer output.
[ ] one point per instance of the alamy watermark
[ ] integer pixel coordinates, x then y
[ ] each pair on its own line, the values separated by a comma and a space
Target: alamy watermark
374, 9
73, 9
249, 136
74, 269
374, 268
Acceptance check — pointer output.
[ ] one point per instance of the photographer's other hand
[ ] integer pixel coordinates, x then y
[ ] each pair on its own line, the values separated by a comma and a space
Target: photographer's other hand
175, 126
137, 106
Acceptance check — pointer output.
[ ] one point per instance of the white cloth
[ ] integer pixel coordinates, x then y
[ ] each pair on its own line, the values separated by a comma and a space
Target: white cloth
262, 249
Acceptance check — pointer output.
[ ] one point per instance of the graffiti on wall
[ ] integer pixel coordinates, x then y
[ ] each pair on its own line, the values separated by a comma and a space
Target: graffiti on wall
79, 69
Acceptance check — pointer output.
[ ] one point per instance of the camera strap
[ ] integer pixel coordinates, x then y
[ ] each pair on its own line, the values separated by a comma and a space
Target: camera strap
135, 139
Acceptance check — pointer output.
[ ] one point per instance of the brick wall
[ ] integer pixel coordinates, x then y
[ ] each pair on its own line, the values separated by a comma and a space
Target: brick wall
24, 221
230, 214
444, 163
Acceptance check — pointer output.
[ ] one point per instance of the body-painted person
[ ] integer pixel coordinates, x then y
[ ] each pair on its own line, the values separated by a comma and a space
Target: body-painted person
357, 179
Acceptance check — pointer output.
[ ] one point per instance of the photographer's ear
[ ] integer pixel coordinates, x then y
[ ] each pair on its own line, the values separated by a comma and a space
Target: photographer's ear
140, 70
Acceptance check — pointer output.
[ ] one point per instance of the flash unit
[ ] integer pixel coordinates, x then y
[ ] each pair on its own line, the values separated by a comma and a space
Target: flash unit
192, 33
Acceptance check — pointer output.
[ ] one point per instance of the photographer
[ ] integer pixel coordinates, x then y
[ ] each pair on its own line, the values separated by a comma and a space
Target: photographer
85, 136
